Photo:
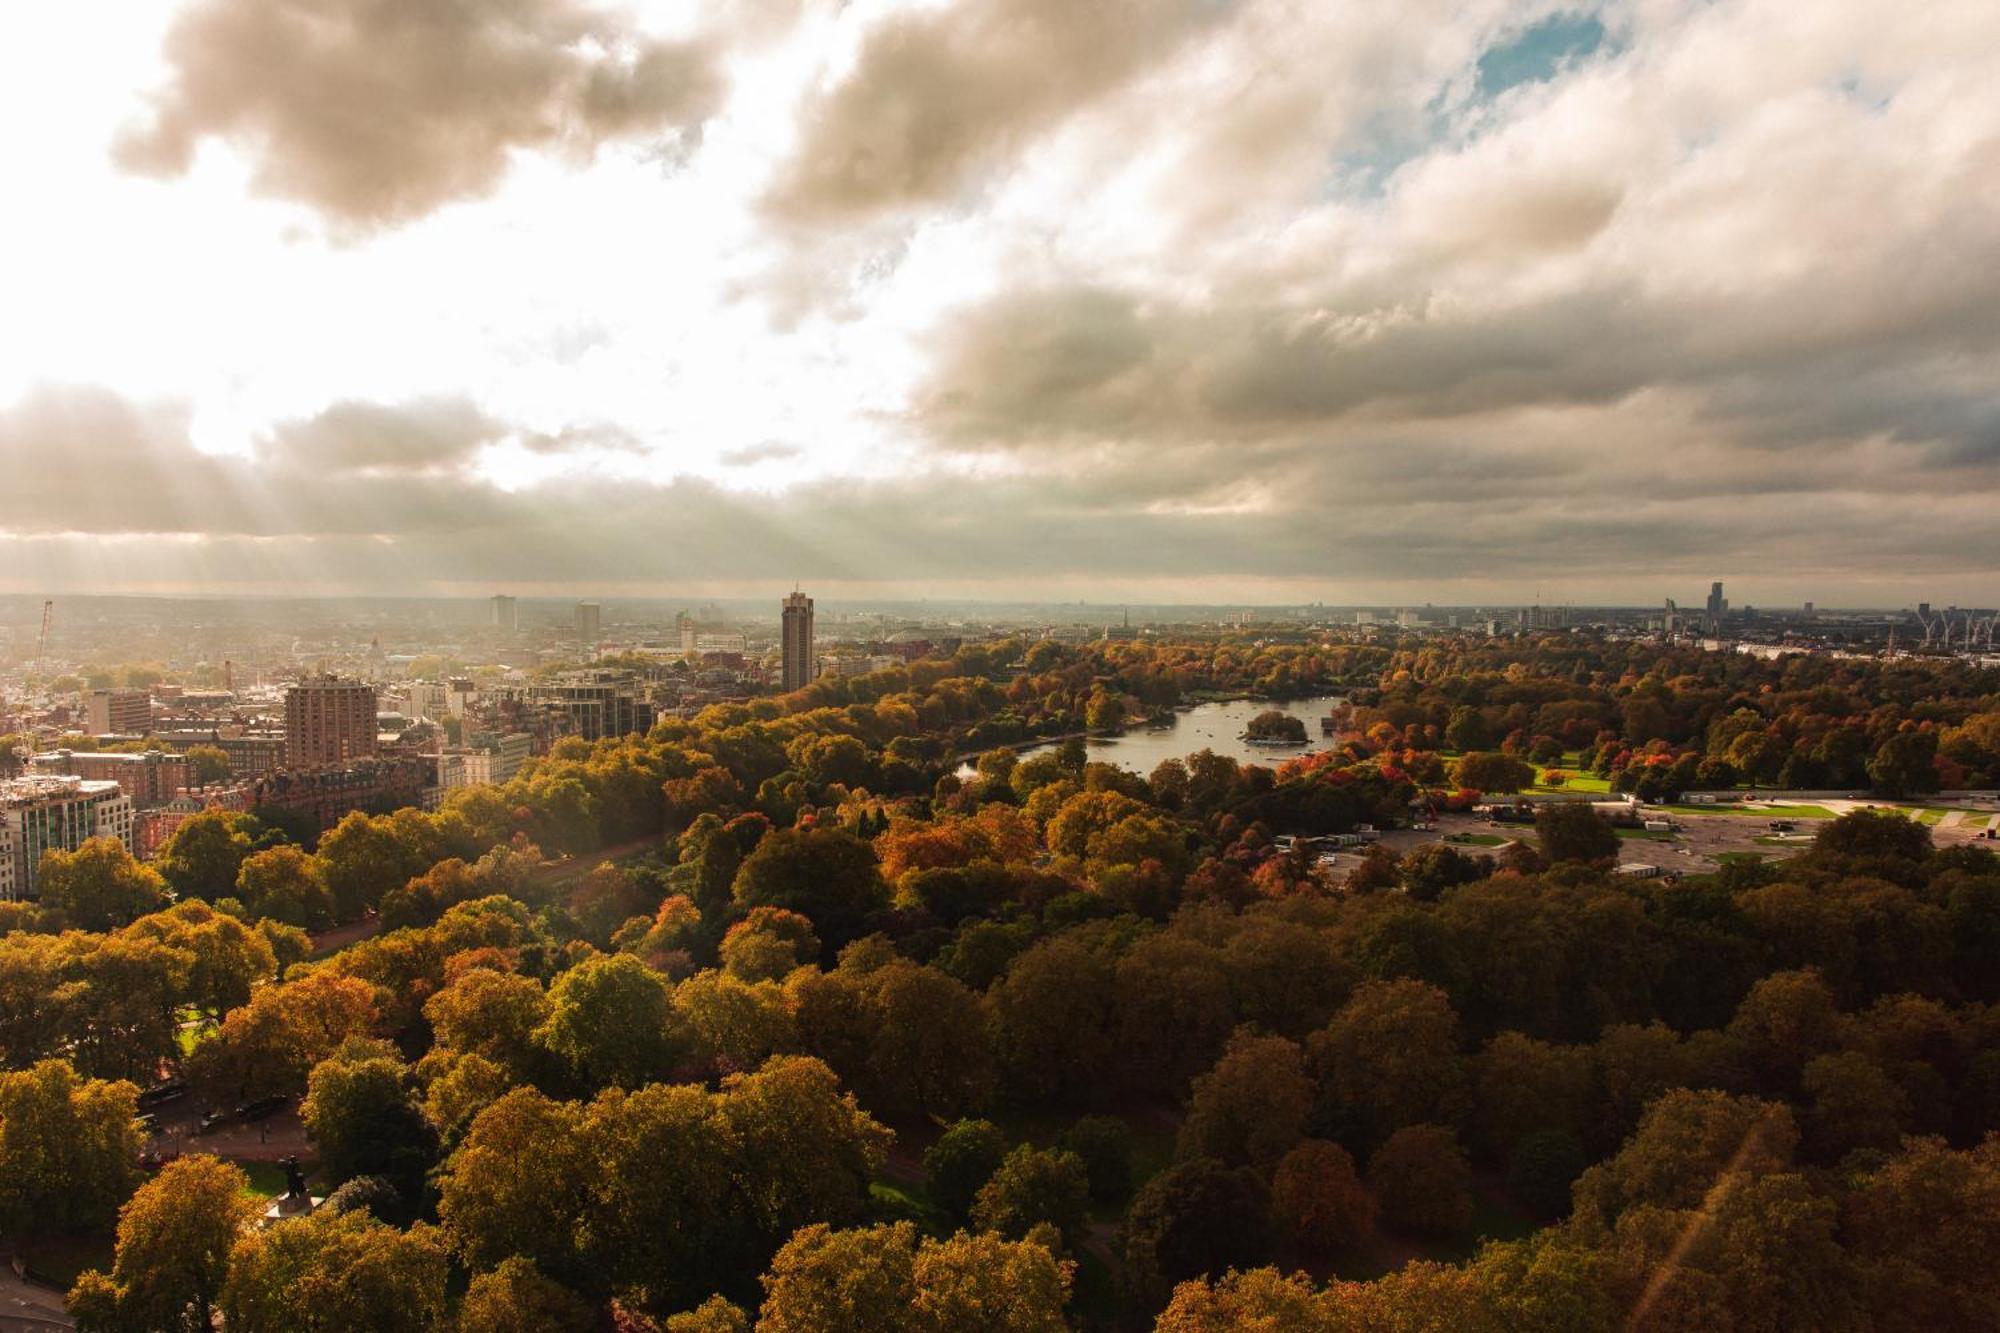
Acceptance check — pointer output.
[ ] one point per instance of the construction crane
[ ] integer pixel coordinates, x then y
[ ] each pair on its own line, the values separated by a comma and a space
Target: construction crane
42, 645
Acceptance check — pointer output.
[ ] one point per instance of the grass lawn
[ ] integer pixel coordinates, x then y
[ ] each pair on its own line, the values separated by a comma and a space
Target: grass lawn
898, 1202
1477, 839
1758, 811
1931, 816
1644, 835
1732, 858
1583, 782
267, 1179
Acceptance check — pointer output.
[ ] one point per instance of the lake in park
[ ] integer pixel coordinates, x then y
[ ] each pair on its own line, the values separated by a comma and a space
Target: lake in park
1218, 727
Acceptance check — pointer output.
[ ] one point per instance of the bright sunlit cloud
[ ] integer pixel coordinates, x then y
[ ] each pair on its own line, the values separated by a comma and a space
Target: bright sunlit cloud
1329, 300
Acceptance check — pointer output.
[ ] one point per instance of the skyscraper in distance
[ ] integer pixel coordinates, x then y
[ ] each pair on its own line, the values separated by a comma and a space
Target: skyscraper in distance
506, 613
589, 621
798, 640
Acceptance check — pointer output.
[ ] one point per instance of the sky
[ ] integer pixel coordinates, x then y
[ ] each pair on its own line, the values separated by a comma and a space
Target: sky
1163, 300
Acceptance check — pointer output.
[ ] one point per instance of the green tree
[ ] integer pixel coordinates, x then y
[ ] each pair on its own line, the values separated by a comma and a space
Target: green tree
612, 1021
811, 1148
364, 1120
767, 944
960, 1163
1422, 1181
1541, 1169
1252, 1107
1194, 1217
1492, 772
1389, 1058
174, 1239
205, 854
333, 1273
283, 884
516, 1298
99, 885
211, 764
1104, 1142
1905, 764
883, 1280
1572, 831
928, 1049
826, 875
68, 1150
1034, 1187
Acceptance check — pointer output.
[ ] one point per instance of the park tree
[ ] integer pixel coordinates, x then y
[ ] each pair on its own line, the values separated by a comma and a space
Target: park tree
767, 944
1317, 1199
1920, 1230
714, 1315
363, 1117
1541, 1168
516, 1298
1905, 764
1252, 1106
1852, 1104
732, 1023
119, 1008
886, 1280
1035, 1187
1195, 1217
1428, 871
612, 1022
1389, 1058
99, 886
826, 875
267, 1047
1871, 834
519, 1183
662, 1220
68, 1150
1422, 1181
1051, 1018
960, 1163
491, 1014
1492, 772
364, 856
1685, 1143
1523, 1085
811, 1147
1572, 831
927, 1049
226, 957
211, 764
205, 854
283, 884
174, 1239
333, 1273
1104, 1142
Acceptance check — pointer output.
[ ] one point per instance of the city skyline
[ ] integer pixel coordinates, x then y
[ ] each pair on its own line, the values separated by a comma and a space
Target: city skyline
1226, 304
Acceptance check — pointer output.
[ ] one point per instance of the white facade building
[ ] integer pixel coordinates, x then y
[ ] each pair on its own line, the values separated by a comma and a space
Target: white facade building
54, 813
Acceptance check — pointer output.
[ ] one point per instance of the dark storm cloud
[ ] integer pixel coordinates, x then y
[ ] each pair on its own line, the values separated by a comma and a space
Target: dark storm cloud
378, 111
940, 97
1400, 506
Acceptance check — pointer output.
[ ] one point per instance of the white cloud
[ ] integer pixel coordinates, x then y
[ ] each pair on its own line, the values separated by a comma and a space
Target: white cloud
1024, 291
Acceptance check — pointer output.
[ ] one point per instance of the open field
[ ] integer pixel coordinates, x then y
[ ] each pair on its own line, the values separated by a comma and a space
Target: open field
1759, 810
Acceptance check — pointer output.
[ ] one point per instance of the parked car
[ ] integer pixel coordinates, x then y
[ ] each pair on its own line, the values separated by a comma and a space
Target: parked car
211, 1121
160, 1094
262, 1108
